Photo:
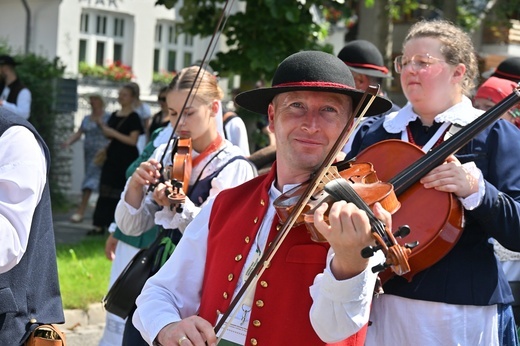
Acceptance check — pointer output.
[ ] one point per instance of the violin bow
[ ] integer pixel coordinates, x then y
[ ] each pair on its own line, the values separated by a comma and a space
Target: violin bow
316, 178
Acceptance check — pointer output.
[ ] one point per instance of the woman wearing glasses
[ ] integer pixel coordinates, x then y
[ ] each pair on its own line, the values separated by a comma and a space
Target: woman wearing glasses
464, 298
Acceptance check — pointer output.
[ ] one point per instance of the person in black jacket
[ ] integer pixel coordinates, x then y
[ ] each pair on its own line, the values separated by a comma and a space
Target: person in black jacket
14, 95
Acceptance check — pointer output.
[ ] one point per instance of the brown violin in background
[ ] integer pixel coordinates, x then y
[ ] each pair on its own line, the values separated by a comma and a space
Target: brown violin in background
436, 218
179, 172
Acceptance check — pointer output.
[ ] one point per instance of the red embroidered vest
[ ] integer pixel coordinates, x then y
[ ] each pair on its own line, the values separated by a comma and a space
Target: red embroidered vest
281, 304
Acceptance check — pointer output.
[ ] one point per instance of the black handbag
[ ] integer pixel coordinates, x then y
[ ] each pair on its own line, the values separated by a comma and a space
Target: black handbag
120, 299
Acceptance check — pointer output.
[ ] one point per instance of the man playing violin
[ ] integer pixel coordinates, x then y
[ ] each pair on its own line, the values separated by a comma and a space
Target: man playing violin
309, 104
463, 298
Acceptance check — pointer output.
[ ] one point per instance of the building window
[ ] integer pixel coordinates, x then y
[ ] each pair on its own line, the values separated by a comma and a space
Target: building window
118, 52
158, 33
101, 25
104, 37
156, 58
172, 60
174, 50
177, 33
188, 40
188, 59
171, 34
119, 27
82, 50
100, 53
83, 25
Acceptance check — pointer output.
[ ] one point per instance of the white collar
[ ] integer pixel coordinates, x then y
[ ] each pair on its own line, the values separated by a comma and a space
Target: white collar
461, 114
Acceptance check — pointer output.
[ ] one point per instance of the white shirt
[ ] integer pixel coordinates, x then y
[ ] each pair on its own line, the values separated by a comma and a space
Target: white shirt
23, 102
133, 221
174, 292
23, 174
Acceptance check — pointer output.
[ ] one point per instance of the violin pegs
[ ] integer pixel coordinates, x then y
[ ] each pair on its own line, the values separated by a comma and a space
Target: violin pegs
369, 251
411, 245
402, 231
380, 267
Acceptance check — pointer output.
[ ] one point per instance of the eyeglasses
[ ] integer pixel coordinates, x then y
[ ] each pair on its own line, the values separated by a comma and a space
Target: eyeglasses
417, 62
162, 99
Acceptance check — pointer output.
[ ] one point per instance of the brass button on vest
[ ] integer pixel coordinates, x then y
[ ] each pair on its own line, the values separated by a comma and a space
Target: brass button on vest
254, 342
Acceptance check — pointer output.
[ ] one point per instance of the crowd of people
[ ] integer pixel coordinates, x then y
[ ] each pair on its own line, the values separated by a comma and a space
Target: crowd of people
244, 269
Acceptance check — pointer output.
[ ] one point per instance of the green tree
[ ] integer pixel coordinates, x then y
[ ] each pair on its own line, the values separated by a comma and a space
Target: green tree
259, 38
270, 30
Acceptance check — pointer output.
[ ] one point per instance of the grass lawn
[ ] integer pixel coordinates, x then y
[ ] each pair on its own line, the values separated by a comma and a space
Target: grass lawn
84, 272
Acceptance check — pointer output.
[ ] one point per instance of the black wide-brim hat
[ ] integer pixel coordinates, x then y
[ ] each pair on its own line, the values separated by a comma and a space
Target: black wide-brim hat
309, 71
508, 69
364, 57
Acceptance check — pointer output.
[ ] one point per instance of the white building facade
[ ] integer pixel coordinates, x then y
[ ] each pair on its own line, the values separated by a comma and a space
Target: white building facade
100, 32
135, 33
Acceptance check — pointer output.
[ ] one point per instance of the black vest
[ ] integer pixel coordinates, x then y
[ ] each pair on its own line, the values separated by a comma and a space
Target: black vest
30, 290
14, 89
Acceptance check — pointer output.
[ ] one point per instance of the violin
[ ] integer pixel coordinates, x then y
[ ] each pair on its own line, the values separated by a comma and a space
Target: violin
358, 184
179, 172
435, 217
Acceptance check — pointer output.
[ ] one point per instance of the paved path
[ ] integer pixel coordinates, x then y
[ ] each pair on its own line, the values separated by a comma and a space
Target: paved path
82, 328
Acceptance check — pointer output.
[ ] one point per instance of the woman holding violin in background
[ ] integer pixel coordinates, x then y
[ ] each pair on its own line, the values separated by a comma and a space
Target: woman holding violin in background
463, 298
216, 165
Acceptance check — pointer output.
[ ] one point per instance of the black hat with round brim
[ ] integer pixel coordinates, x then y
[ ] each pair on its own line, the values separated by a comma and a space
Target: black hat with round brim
364, 57
309, 71
508, 69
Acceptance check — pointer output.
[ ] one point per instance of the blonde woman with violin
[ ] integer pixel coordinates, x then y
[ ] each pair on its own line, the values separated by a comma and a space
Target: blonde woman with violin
216, 165
463, 297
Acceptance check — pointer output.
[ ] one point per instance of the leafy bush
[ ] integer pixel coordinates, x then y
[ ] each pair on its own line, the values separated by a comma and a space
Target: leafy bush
117, 72
163, 78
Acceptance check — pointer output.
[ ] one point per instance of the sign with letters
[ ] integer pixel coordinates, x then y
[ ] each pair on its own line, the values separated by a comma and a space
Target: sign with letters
103, 3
